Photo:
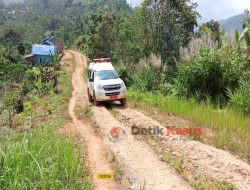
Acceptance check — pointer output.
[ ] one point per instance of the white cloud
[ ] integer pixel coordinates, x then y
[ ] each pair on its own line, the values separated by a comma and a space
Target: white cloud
215, 9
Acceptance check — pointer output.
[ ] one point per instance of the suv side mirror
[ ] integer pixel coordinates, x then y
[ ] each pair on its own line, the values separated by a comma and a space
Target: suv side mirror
91, 80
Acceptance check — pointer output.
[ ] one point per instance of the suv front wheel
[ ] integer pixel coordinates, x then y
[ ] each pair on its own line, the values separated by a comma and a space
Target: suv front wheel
124, 102
96, 103
89, 96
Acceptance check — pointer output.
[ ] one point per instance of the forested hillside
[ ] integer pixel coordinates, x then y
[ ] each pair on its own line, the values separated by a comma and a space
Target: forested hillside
24, 24
66, 19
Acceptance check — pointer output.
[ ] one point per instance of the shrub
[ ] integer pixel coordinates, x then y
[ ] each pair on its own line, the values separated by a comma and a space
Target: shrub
11, 72
126, 75
13, 101
145, 79
25, 87
166, 88
31, 75
240, 99
211, 73
141, 78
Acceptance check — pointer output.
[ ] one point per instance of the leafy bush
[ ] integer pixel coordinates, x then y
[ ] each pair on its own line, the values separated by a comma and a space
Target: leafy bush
166, 88
211, 73
126, 75
12, 68
11, 72
240, 99
144, 78
31, 75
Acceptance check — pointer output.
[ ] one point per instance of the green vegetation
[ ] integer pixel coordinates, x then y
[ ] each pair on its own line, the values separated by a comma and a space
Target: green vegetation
144, 79
66, 19
131, 37
208, 184
213, 28
118, 172
211, 74
231, 128
240, 99
83, 112
176, 162
213, 81
209, 86
41, 159
34, 155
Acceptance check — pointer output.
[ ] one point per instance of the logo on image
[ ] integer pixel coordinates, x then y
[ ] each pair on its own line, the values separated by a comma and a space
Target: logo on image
117, 134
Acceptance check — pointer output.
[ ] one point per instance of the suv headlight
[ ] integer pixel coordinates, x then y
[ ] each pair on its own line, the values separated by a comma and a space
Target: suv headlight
122, 85
99, 87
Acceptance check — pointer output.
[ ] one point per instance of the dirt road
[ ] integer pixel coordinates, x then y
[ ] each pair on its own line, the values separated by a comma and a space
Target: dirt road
96, 151
142, 167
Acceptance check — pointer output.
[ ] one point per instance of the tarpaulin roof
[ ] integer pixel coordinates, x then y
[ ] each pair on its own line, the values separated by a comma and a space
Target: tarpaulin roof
46, 39
43, 50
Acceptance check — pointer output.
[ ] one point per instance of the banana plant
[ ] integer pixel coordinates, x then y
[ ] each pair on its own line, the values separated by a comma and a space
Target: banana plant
56, 68
39, 86
244, 36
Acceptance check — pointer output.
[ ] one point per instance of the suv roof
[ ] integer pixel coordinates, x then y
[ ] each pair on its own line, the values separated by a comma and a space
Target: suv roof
104, 66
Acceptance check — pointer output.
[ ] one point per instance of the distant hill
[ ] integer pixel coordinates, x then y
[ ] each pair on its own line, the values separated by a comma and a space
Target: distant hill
233, 23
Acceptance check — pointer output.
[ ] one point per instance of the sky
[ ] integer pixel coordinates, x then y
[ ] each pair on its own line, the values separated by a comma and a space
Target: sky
215, 9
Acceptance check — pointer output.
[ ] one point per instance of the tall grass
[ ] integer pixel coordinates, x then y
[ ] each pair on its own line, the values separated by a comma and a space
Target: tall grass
232, 128
41, 160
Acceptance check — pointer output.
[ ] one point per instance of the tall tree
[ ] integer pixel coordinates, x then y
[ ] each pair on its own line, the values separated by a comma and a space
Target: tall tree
172, 23
11, 38
213, 28
104, 37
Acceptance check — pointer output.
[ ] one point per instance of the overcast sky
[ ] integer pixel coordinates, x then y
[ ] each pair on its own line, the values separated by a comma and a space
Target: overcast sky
215, 9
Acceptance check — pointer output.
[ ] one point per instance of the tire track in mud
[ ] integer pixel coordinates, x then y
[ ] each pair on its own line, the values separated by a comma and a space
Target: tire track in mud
142, 167
97, 161
205, 160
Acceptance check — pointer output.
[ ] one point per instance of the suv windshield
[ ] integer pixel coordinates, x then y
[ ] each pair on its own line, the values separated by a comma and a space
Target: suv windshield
105, 75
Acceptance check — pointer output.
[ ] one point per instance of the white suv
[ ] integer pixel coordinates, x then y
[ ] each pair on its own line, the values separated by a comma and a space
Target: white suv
104, 84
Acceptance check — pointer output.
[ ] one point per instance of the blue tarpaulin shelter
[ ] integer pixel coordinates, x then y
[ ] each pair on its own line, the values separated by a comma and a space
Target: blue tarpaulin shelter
43, 50
43, 53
